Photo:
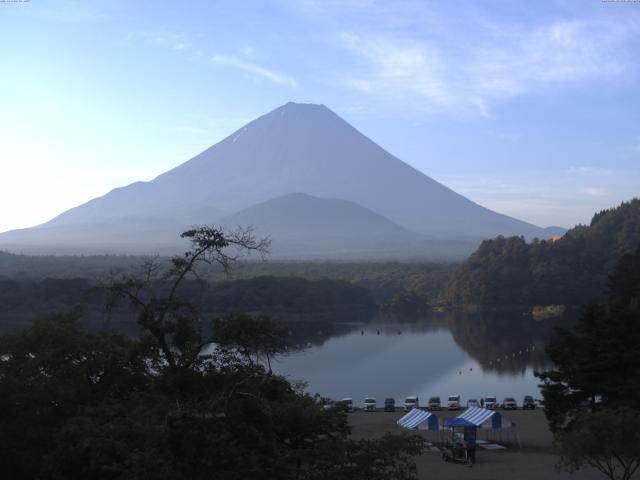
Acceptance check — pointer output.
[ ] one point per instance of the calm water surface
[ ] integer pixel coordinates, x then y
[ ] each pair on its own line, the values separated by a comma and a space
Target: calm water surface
469, 355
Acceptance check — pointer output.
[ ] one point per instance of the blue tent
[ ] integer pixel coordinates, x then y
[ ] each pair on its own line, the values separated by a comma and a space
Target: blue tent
458, 422
419, 419
475, 420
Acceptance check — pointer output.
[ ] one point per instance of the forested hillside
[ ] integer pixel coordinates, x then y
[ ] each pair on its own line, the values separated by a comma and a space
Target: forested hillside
570, 271
385, 280
284, 298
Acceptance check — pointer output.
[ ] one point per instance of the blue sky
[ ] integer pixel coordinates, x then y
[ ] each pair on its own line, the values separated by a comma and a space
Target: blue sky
529, 108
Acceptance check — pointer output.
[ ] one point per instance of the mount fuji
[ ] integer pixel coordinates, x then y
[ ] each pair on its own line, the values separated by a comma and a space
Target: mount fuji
300, 173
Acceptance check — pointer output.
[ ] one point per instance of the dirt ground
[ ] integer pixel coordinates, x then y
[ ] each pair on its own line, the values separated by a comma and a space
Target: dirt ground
529, 454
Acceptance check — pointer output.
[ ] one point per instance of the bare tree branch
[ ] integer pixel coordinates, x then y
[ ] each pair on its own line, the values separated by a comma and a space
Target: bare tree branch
168, 319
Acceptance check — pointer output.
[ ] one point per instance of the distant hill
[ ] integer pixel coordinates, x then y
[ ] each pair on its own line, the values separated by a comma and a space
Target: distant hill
295, 148
305, 216
306, 226
572, 270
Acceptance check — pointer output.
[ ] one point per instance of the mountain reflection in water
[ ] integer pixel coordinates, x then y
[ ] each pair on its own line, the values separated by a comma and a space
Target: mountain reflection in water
452, 353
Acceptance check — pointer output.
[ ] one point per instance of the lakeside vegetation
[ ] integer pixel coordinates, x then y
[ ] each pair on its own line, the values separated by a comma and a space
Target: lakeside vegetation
285, 298
32, 286
570, 271
383, 279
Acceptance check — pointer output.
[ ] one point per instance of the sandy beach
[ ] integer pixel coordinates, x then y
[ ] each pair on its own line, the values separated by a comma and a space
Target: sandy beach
529, 452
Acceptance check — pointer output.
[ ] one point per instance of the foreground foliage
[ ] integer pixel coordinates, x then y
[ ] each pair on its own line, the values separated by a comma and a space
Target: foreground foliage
592, 397
607, 440
175, 403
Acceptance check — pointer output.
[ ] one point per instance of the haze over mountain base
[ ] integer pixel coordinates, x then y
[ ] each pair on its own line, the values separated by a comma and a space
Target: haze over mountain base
299, 174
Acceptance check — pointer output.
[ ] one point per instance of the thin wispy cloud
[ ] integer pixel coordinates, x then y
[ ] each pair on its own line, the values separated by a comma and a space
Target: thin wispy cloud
243, 62
162, 37
172, 40
595, 192
559, 197
394, 66
561, 52
589, 170
255, 70
415, 57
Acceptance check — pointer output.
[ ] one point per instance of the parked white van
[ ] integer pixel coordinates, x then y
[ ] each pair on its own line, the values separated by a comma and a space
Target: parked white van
453, 402
370, 404
490, 402
411, 402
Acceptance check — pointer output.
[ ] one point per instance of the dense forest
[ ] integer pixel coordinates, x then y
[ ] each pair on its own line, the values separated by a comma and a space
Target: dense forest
592, 391
284, 298
32, 286
384, 280
571, 270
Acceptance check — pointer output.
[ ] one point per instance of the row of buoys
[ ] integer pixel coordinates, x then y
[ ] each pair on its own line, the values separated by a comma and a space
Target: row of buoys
498, 360
513, 355
378, 332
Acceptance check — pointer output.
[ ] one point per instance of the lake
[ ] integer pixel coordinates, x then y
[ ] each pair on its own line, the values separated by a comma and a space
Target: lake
470, 355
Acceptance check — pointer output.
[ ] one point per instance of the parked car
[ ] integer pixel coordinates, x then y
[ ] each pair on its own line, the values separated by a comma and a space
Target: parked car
490, 402
528, 403
472, 402
539, 402
509, 403
453, 402
411, 402
389, 404
434, 403
370, 404
346, 404
328, 404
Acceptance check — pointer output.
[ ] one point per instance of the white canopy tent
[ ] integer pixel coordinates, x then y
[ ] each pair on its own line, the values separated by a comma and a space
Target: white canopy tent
480, 418
419, 419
